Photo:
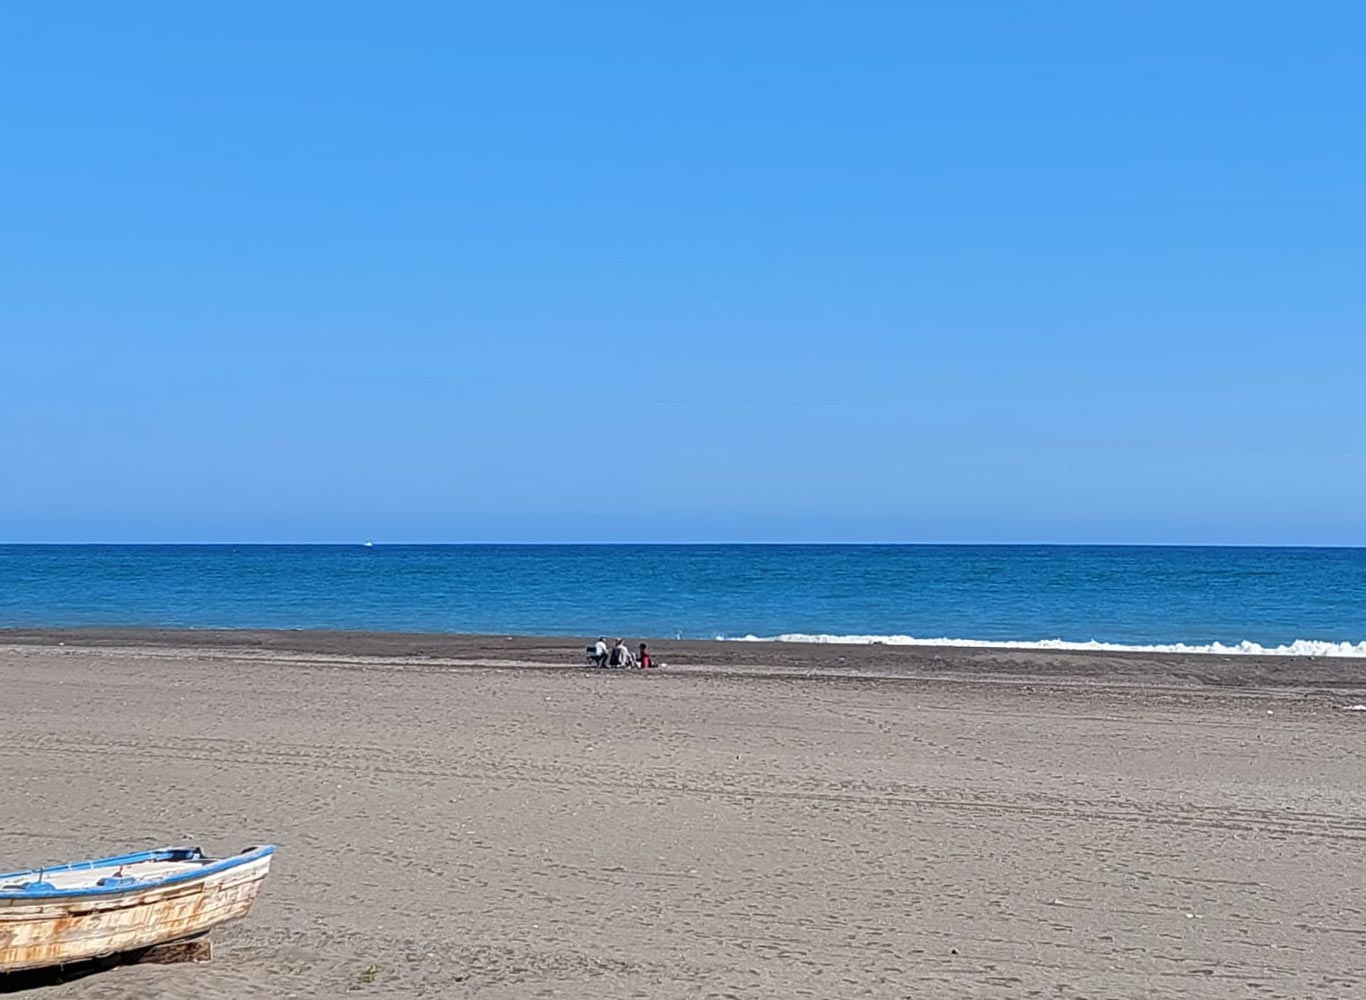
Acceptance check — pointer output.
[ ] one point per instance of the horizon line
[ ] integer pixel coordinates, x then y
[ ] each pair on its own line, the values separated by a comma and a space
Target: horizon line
370, 543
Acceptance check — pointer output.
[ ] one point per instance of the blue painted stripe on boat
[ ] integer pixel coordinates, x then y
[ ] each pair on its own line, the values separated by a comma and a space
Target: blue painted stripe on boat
160, 854
168, 854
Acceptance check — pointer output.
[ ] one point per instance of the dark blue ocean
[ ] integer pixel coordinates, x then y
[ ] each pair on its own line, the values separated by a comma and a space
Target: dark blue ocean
1133, 596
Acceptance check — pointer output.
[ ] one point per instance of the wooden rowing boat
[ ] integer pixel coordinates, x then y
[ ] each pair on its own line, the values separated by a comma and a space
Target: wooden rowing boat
93, 909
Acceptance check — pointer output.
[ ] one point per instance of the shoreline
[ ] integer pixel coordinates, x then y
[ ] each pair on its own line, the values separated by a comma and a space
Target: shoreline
852, 661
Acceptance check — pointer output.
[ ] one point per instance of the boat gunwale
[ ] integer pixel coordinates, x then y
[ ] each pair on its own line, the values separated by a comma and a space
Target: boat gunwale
212, 867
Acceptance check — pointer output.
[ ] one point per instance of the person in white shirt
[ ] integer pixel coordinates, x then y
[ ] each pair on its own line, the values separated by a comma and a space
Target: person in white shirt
621, 655
600, 652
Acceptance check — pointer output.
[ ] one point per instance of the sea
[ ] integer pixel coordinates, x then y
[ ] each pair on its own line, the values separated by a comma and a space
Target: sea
1287, 601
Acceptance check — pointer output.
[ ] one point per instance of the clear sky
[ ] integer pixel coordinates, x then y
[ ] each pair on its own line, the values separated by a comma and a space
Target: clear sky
683, 272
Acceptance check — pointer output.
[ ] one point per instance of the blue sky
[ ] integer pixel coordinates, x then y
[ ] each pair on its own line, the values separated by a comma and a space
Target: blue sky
571, 272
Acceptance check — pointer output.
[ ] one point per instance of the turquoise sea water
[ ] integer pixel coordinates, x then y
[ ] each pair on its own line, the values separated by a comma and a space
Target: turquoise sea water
1137, 596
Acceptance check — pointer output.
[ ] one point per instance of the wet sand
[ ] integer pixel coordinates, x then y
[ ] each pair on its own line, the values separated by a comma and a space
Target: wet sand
476, 816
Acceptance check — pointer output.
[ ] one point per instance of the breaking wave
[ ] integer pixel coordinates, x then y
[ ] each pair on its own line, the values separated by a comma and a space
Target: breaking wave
1300, 647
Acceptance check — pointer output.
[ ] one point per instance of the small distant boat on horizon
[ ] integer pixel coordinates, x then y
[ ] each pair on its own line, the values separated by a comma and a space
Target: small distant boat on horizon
368, 544
94, 909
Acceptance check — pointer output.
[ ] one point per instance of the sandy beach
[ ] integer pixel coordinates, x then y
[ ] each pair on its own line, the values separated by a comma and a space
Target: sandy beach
476, 816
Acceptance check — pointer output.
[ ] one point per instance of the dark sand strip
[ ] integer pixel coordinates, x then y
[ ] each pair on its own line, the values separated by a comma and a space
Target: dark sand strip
1329, 675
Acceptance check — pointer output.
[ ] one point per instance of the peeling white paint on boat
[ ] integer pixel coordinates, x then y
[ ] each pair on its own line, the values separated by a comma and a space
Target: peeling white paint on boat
93, 909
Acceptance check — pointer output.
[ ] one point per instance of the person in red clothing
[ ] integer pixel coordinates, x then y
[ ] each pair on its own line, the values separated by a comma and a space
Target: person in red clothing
643, 660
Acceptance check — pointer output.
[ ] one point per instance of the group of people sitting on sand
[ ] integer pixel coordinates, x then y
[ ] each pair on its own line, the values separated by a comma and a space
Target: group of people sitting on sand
619, 655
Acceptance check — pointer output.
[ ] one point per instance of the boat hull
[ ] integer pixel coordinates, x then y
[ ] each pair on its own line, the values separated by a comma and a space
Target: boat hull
60, 930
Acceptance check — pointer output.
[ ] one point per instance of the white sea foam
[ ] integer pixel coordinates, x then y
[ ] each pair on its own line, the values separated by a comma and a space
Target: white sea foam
1300, 647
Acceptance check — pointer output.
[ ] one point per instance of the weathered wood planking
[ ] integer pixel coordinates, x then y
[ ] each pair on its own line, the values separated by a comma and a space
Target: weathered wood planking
63, 929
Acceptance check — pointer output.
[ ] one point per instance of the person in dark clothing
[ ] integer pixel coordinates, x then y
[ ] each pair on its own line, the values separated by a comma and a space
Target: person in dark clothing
621, 655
